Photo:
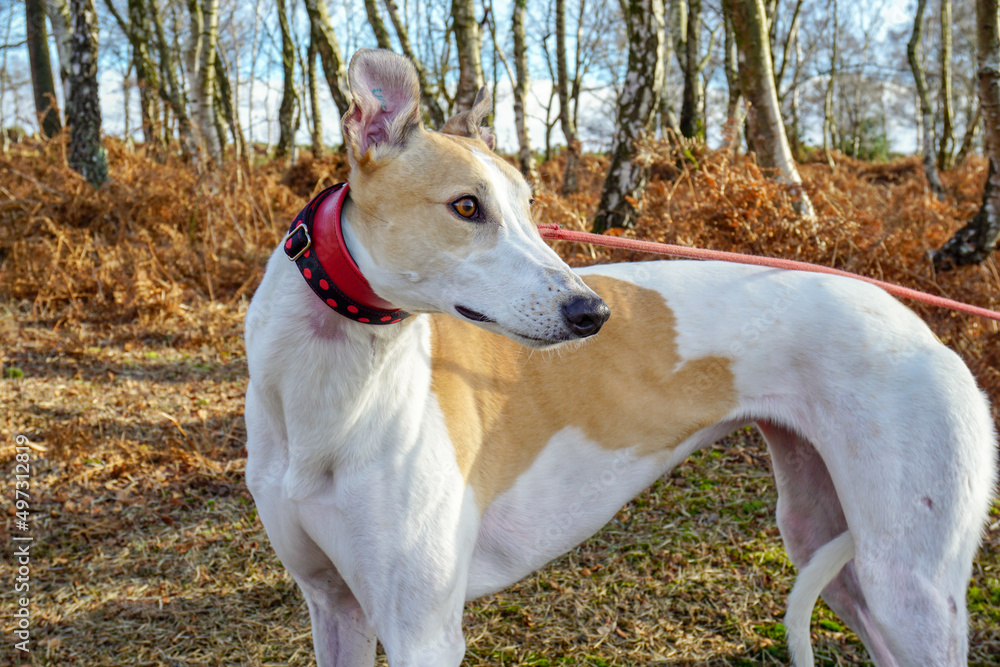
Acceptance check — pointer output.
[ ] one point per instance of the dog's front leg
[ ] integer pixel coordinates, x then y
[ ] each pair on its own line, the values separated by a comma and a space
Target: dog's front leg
405, 563
342, 636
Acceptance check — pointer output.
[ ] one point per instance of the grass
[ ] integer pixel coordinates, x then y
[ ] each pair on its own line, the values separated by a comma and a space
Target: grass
120, 341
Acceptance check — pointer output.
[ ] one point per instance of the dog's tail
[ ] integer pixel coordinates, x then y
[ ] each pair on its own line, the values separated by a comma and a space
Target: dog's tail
826, 563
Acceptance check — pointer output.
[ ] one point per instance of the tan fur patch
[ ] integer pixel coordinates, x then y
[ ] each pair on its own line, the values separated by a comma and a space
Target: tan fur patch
627, 387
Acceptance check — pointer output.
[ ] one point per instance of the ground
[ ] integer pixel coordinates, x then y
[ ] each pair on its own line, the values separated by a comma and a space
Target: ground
124, 366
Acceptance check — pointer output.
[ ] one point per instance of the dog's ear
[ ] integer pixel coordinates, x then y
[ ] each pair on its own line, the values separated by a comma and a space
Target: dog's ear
469, 123
385, 107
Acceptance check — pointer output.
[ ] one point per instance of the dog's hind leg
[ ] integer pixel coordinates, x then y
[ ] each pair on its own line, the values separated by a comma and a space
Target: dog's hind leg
810, 518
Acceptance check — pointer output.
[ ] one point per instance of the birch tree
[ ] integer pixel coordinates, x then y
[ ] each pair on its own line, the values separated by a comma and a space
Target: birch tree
469, 45
204, 90
525, 156
42, 84
928, 148
200, 56
83, 110
627, 176
58, 13
978, 239
765, 129
566, 118
518, 78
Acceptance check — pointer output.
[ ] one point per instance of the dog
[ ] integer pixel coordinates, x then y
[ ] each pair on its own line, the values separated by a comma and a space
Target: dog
438, 405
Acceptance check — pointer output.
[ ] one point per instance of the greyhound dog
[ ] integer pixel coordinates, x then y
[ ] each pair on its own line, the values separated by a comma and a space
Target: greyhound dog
432, 413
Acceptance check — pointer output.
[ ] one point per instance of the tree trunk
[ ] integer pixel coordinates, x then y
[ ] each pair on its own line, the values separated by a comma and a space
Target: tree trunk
668, 119
145, 72
566, 120
42, 84
138, 34
946, 144
433, 108
578, 66
470, 66
286, 110
975, 241
913, 49
972, 119
83, 111
218, 111
378, 26
795, 135
790, 46
4, 135
316, 130
201, 70
764, 124
692, 124
329, 53
627, 176
829, 120
227, 107
734, 117
58, 13
170, 88
525, 156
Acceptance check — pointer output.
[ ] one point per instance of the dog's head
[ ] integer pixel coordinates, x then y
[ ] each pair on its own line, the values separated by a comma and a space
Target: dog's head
444, 224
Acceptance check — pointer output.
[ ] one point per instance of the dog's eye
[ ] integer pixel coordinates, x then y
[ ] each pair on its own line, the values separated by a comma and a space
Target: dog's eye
467, 207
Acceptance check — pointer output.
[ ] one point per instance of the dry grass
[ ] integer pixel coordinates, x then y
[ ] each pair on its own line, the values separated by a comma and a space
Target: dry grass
122, 309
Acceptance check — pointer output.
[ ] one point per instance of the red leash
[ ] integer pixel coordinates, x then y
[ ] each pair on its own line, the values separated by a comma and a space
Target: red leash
554, 232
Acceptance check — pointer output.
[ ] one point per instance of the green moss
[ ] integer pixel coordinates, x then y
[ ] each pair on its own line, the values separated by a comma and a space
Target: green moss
775, 631
833, 626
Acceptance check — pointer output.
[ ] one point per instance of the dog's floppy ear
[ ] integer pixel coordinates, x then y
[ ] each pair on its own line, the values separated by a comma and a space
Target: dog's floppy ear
385, 107
469, 123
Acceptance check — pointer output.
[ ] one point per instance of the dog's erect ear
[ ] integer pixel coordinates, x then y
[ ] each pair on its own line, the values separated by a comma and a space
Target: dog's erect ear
386, 103
469, 123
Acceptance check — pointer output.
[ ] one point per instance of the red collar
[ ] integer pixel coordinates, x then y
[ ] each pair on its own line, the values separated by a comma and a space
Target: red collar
315, 242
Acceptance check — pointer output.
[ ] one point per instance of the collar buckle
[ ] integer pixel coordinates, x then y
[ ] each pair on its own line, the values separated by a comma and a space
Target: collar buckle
295, 243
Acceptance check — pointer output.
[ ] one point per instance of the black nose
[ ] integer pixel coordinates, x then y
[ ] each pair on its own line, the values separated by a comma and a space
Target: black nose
585, 315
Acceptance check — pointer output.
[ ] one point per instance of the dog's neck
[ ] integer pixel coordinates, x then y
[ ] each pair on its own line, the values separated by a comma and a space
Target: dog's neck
332, 326
359, 253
